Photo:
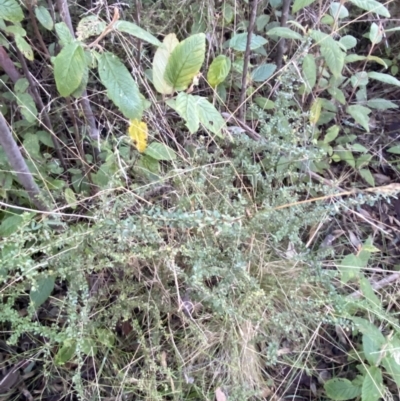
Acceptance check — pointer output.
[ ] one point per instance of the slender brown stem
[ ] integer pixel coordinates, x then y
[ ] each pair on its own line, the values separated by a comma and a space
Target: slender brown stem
246, 60
139, 42
36, 29
8, 66
282, 43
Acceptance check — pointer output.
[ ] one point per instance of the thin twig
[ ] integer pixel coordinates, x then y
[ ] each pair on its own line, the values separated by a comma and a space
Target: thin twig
8, 66
36, 30
246, 59
282, 42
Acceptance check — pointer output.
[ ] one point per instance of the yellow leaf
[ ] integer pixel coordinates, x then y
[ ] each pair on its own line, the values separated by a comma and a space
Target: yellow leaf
138, 133
315, 111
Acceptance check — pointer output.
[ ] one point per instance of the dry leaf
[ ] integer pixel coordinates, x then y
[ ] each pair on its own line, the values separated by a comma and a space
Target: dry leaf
138, 133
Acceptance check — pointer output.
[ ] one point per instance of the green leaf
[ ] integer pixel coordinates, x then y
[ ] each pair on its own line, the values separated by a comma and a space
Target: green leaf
10, 225
375, 34
300, 4
309, 72
42, 290
333, 56
159, 151
337, 94
209, 116
264, 103
44, 17
136, 31
285, 33
385, 78
185, 62
45, 138
70, 197
381, 104
121, 88
372, 6
219, 70
31, 145
239, 41
359, 79
24, 47
263, 72
351, 58
360, 115
369, 329
160, 62
341, 389
27, 107
262, 21
21, 85
228, 12
368, 292
331, 134
394, 149
10, 10
350, 267
338, 10
186, 106
367, 175
372, 349
63, 33
65, 353
372, 388
348, 42
69, 68
15, 30
90, 26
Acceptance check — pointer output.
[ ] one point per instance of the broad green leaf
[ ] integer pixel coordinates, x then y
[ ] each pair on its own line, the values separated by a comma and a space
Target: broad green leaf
372, 388
395, 150
136, 31
63, 33
42, 290
65, 353
367, 175
121, 87
262, 21
337, 94
369, 329
392, 367
89, 26
348, 42
338, 10
375, 34
368, 292
105, 337
333, 56
351, 58
219, 70
372, 6
341, 389
350, 267
228, 12
263, 72
285, 33
69, 68
10, 10
160, 62
309, 72
21, 85
360, 115
24, 47
331, 134
185, 62
15, 30
27, 107
31, 145
381, 104
372, 349
209, 116
393, 29
300, 4
359, 79
315, 111
45, 138
70, 197
44, 17
10, 225
385, 78
264, 103
186, 106
159, 151
78, 92
239, 41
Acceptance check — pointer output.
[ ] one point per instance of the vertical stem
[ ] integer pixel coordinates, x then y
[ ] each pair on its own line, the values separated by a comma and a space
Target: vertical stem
281, 44
18, 164
252, 20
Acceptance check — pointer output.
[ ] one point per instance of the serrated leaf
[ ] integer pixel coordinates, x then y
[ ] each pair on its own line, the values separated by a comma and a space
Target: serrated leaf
369, 329
369, 294
263, 72
239, 41
385, 78
372, 388
348, 42
159, 151
360, 115
371, 348
63, 33
42, 290
337, 94
186, 106
89, 26
185, 62
65, 353
283, 32
69, 67
392, 368
209, 116
24, 47
70, 197
136, 31
381, 104
331, 133
367, 175
160, 62
10, 225
341, 389
394, 149
219, 70
27, 107
300, 4
121, 88
372, 6
309, 72
338, 10
10, 10
333, 56
138, 133
44, 17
